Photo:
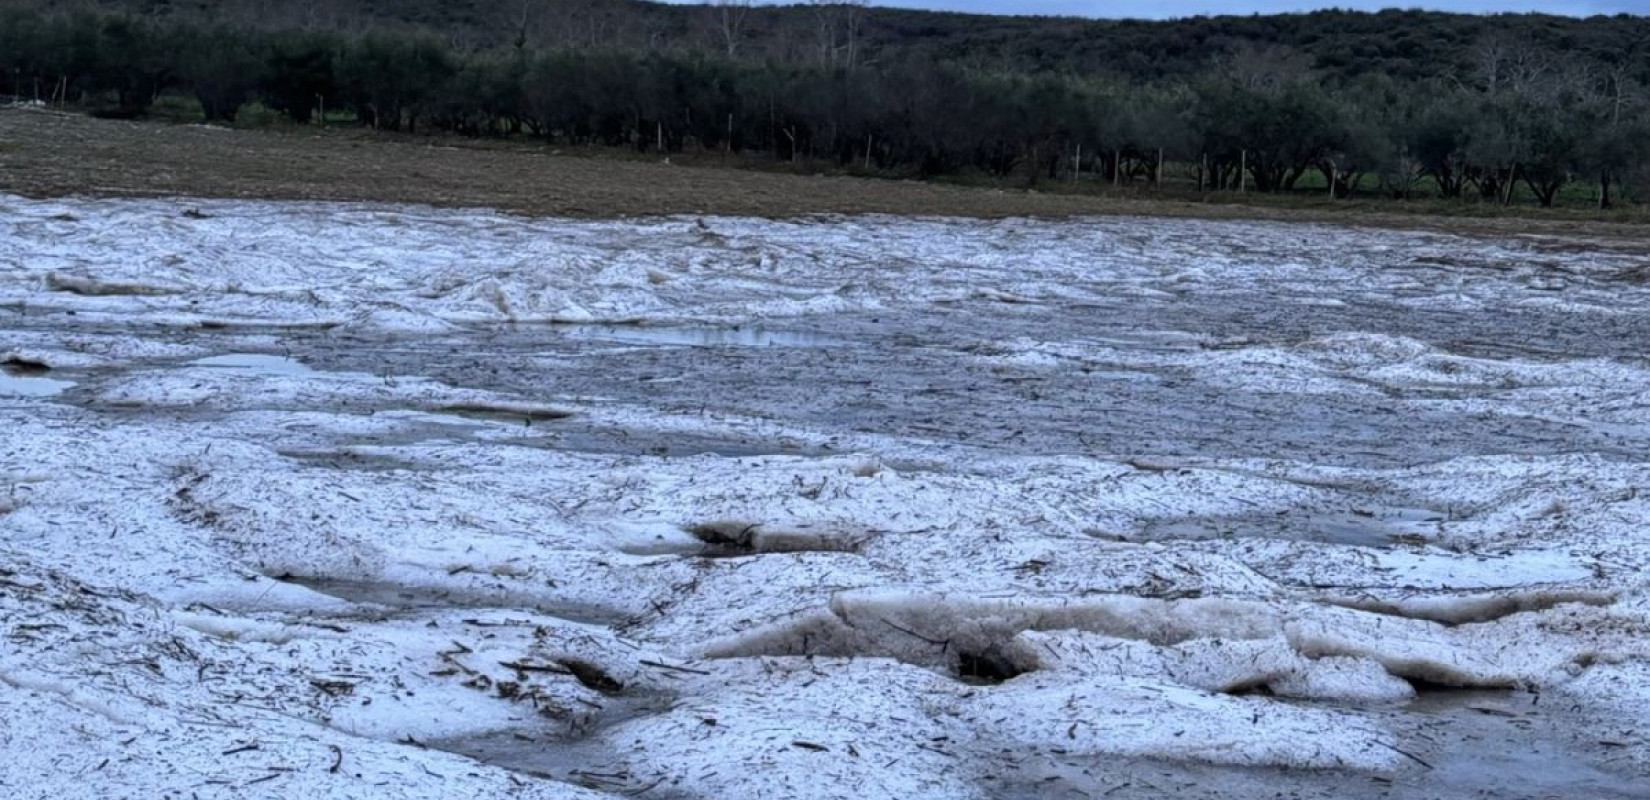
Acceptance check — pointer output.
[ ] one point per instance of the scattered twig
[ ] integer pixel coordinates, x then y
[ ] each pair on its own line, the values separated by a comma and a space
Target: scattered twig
914, 634
660, 665
521, 666
1406, 754
325, 626
332, 688
647, 788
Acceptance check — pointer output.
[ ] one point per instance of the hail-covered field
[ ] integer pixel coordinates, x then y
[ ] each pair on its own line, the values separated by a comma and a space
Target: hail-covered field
305, 500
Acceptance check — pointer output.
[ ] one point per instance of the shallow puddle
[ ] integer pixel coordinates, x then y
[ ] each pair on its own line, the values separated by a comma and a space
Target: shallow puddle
261, 363
403, 598
31, 386
1455, 745
583, 762
550, 758
731, 336
1503, 744
584, 759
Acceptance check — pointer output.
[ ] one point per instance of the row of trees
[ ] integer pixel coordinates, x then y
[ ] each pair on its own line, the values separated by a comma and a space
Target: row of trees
1260, 118
1405, 44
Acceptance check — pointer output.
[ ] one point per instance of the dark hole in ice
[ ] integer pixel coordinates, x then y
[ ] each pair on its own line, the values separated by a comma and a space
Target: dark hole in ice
592, 676
726, 538
505, 411
986, 666
17, 365
732, 539
1428, 688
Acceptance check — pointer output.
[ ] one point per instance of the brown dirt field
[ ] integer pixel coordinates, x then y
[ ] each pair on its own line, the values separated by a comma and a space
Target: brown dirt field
45, 153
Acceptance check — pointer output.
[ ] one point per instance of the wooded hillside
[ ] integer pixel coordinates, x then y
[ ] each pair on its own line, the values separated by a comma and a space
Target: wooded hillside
1399, 103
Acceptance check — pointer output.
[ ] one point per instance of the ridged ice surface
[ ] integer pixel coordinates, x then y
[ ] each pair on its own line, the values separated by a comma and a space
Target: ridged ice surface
304, 500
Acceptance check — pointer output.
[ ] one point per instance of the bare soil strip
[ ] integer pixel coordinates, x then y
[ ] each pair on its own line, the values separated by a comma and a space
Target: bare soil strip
49, 154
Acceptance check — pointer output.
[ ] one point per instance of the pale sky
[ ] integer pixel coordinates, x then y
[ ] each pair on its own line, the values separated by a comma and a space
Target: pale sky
1159, 9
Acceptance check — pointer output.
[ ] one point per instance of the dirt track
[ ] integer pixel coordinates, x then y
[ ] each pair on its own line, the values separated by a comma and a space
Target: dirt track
52, 154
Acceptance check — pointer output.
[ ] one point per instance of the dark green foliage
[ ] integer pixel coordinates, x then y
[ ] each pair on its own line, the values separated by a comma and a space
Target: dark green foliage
298, 75
221, 68
390, 80
136, 59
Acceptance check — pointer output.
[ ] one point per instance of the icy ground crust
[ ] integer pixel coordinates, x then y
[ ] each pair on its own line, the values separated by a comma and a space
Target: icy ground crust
306, 500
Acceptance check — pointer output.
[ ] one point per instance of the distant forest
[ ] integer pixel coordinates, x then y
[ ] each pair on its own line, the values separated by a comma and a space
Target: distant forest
1400, 103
